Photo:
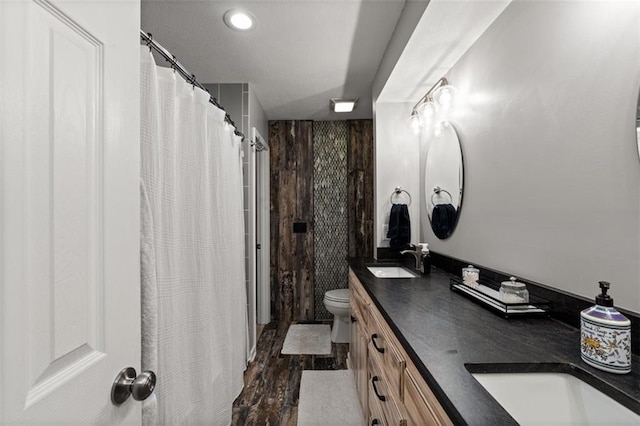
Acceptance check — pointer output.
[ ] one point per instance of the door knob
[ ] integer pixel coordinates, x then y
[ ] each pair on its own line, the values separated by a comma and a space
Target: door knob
127, 383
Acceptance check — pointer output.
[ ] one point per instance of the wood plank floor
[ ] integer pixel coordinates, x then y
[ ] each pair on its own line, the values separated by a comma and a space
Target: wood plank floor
272, 380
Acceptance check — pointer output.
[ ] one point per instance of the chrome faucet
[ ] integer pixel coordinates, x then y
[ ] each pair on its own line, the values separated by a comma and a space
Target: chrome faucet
419, 251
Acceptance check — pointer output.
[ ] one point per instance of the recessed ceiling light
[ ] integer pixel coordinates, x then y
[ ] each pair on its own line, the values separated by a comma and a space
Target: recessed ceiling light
239, 20
343, 105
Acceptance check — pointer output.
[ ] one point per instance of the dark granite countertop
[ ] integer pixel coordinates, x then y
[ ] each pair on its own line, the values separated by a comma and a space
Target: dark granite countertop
446, 334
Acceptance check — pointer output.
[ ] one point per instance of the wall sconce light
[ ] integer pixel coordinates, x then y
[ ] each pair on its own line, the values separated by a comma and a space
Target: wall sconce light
440, 97
343, 105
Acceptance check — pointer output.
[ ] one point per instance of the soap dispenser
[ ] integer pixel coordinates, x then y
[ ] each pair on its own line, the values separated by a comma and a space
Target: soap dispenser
426, 258
605, 335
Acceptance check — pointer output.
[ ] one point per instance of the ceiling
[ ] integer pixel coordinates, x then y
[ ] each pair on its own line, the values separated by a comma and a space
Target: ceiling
446, 30
301, 54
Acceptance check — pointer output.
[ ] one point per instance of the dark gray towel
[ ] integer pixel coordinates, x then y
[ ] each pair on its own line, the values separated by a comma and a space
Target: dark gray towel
443, 219
399, 232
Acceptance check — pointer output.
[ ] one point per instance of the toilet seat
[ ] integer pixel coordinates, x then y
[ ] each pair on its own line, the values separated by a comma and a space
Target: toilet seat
340, 295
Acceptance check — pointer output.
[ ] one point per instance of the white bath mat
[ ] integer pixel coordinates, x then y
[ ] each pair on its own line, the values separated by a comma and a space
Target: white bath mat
307, 339
329, 398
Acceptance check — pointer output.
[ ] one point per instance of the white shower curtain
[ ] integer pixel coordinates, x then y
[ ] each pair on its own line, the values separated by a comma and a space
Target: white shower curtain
193, 273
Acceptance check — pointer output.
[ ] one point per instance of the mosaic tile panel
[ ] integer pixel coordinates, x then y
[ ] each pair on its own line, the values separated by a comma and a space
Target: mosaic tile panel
330, 210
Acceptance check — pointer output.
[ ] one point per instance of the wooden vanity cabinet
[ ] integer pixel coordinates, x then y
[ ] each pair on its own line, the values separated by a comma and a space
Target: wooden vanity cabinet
358, 360
421, 404
390, 388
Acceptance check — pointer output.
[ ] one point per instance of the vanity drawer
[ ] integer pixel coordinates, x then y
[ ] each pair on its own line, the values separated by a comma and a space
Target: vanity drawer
381, 395
386, 349
422, 407
376, 415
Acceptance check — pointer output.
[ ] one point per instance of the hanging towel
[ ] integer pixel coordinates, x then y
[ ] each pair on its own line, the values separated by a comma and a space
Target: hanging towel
443, 218
399, 232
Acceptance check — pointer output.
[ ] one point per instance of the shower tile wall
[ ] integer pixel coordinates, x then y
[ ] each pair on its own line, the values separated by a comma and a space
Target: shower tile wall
234, 97
330, 210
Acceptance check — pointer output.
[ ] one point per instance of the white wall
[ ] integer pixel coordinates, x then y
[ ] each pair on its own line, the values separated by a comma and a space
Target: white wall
547, 125
394, 148
409, 18
396, 163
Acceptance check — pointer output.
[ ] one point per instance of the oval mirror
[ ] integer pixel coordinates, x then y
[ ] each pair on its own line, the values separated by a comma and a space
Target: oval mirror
443, 180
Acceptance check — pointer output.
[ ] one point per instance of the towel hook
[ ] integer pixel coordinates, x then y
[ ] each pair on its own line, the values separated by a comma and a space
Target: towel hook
396, 192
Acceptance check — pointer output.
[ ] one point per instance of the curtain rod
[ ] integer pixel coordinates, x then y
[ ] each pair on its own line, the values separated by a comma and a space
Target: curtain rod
147, 38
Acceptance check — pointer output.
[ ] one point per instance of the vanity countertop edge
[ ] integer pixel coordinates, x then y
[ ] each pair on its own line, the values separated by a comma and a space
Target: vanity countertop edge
442, 331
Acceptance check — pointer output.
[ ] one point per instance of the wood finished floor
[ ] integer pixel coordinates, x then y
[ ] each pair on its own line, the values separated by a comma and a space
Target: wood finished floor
272, 380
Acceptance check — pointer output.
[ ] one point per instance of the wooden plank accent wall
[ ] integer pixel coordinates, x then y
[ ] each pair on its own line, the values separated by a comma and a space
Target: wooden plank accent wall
292, 254
360, 188
291, 162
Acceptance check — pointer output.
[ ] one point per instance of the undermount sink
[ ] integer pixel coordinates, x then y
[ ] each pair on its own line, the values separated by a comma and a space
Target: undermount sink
554, 398
390, 271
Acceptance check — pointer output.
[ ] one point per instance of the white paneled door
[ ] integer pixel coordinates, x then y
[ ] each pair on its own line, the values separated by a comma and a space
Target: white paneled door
69, 209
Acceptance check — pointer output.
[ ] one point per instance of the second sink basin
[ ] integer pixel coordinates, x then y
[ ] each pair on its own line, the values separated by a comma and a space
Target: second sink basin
554, 398
390, 271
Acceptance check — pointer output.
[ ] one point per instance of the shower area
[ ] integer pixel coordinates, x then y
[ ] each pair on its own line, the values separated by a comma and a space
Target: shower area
195, 332
321, 211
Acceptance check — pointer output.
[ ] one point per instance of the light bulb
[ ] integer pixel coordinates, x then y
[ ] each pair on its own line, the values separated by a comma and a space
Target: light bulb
439, 128
416, 125
241, 21
428, 111
444, 96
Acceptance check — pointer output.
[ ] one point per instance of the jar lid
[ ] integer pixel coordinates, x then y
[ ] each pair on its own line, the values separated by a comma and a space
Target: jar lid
470, 268
512, 283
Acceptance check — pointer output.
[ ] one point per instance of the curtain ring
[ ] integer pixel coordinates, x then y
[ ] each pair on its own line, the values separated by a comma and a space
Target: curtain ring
149, 41
173, 62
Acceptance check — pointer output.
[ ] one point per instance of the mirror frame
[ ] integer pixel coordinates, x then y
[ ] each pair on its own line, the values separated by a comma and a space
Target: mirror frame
638, 124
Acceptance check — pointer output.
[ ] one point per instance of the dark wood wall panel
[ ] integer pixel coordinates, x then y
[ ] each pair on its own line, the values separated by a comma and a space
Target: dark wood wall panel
291, 158
292, 254
360, 190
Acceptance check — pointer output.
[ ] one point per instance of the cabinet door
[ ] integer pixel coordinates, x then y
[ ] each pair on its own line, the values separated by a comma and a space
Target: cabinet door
421, 404
358, 356
359, 300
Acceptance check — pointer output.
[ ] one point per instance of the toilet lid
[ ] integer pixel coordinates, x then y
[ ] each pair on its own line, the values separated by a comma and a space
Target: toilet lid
340, 295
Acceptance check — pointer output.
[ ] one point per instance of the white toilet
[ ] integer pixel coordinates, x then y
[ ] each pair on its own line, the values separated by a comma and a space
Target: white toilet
337, 302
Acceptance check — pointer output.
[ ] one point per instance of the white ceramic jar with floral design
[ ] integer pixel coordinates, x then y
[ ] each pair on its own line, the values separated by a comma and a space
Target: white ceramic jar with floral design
605, 335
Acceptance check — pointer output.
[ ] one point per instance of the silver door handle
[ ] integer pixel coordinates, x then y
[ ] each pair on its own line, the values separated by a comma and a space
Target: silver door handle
127, 383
